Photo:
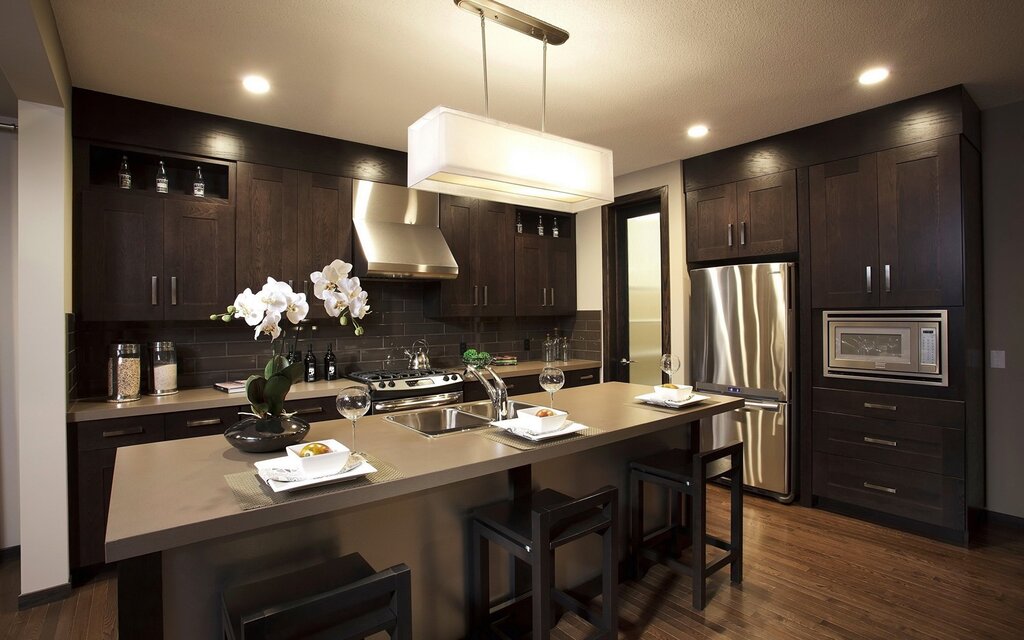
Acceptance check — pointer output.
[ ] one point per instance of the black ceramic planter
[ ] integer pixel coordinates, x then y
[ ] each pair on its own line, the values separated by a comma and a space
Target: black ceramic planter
261, 435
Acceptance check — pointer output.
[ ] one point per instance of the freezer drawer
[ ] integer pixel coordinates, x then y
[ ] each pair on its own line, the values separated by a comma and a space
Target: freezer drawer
763, 427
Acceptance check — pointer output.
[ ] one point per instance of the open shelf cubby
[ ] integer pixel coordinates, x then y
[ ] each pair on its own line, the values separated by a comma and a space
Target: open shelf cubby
105, 164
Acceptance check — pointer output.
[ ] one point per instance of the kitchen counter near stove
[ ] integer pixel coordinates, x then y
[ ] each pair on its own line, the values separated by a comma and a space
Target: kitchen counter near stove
209, 398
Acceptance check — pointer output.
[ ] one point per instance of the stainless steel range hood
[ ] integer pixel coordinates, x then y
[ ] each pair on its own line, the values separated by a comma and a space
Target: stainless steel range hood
397, 234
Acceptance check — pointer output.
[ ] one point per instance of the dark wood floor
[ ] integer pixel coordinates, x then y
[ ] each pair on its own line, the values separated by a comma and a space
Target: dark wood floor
808, 574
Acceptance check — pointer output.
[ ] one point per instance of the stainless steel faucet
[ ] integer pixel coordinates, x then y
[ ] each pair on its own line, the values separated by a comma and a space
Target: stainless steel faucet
496, 390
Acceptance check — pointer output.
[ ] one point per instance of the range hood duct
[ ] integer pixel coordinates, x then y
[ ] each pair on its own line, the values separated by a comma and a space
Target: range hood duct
397, 234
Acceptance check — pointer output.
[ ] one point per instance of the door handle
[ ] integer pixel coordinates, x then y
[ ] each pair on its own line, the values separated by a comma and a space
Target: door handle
308, 411
625, 361
552, 297
867, 278
132, 431
174, 290
888, 283
888, 443
485, 295
878, 487
207, 422
875, 405
544, 295
291, 284
153, 300
743, 234
730, 234
476, 295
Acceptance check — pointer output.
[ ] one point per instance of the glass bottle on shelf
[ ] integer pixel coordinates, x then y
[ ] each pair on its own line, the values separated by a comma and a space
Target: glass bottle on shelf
330, 364
198, 183
519, 222
310, 364
554, 228
161, 178
540, 225
124, 176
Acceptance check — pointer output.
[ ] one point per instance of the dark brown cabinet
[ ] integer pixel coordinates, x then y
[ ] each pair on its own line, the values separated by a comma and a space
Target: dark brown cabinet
545, 276
151, 258
324, 230
886, 228
519, 385
479, 234
754, 217
267, 212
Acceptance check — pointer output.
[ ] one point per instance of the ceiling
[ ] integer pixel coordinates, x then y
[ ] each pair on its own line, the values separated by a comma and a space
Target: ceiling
632, 77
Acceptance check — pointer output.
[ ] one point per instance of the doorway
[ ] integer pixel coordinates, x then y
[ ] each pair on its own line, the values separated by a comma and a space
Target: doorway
636, 294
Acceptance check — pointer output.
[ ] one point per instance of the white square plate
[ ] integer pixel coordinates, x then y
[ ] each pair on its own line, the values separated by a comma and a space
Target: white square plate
518, 427
652, 398
290, 462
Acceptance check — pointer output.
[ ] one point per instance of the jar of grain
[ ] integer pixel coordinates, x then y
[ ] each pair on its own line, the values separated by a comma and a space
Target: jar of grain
163, 369
124, 372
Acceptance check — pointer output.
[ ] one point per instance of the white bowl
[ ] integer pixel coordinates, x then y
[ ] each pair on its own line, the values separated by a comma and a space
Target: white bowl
323, 464
681, 394
543, 424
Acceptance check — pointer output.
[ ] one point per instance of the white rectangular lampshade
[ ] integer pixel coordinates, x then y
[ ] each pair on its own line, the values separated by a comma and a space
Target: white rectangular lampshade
465, 154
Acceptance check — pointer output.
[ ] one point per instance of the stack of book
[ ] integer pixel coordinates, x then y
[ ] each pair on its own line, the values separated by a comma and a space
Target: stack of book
505, 360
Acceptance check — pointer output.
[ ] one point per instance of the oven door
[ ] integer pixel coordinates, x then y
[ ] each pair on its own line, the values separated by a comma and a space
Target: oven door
873, 345
393, 405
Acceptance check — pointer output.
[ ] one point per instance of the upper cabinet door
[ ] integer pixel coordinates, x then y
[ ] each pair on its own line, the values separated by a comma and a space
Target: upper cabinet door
766, 213
461, 296
531, 276
199, 258
494, 255
324, 229
266, 224
920, 237
561, 268
844, 233
711, 232
122, 259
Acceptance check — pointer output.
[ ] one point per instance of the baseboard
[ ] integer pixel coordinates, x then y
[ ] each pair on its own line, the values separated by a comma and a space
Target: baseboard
10, 553
36, 598
1003, 518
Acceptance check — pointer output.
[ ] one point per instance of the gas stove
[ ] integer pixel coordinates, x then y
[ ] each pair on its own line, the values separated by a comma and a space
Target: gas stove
407, 389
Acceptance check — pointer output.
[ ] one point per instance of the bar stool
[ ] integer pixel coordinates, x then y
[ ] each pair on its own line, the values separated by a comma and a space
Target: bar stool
531, 529
686, 474
341, 599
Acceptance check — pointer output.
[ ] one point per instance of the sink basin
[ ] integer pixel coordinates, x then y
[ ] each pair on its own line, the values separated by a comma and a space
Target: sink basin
439, 422
486, 409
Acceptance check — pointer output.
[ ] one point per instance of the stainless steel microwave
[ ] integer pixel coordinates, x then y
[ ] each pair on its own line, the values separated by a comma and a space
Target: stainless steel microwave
894, 346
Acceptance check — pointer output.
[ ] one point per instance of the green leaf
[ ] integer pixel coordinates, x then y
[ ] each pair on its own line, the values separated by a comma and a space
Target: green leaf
277, 389
260, 409
294, 372
255, 388
276, 364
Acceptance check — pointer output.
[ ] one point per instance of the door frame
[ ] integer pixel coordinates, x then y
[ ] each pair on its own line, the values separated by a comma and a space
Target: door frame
615, 334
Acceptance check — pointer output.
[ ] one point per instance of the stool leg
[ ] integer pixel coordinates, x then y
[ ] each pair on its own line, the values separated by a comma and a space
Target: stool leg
403, 606
543, 577
636, 523
675, 511
480, 577
736, 520
697, 526
610, 577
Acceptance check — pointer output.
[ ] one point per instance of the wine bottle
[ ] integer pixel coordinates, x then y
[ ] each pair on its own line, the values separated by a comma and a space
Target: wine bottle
124, 176
519, 222
330, 365
161, 178
540, 225
554, 228
199, 184
310, 365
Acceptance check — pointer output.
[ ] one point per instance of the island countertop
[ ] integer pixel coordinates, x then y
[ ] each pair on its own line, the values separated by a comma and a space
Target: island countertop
170, 494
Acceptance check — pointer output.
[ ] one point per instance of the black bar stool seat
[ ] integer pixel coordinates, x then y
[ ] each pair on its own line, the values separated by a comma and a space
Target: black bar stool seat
686, 474
342, 598
531, 529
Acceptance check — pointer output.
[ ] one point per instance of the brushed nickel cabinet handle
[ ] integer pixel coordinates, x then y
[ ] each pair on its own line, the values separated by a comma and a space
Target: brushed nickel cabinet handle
878, 487
743, 234
873, 405
291, 284
587, 377
207, 422
510, 386
153, 300
888, 283
174, 290
730, 234
552, 297
888, 443
134, 431
308, 410
867, 278
485, 295
544, 295
476, 295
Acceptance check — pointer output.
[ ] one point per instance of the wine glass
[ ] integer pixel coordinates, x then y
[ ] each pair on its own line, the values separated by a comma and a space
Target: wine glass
353, 403
670, 364
551, 380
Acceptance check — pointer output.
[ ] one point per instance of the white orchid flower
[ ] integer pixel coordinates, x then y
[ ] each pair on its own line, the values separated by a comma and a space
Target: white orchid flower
350, 288
321, 284
249, 307
334, 303
297, 308
337, 271
274, 295
271, 326
358, 307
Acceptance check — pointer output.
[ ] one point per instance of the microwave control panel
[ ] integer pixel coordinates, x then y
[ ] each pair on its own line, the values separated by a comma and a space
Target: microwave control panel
928, 353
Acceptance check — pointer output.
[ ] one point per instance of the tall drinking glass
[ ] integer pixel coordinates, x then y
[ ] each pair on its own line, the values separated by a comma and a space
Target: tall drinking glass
353, 403
551, 380
670, 364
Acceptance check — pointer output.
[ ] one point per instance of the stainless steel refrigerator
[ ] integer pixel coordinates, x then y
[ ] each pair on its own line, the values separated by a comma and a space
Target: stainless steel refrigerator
742, 341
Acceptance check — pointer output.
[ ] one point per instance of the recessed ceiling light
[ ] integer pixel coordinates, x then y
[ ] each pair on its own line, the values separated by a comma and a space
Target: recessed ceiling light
874, 76
697, 131
256, 84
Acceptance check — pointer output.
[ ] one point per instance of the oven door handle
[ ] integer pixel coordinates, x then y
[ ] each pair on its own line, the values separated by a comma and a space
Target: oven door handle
420, 402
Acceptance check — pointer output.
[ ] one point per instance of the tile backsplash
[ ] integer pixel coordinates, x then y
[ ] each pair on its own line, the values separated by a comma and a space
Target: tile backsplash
211, 351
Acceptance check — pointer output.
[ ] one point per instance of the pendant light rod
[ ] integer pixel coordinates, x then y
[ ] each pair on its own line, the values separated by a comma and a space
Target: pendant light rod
483, 43
544, 89
513, 19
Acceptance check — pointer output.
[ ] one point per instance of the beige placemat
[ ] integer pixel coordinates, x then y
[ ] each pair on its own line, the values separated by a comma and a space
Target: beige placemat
252, 492
504, 437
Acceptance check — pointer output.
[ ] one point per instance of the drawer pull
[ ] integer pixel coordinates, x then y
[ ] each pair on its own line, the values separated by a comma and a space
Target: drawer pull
872, 405
510, 386
134, 431
888, 443
878, 487
587, 377
208, 422
308, 411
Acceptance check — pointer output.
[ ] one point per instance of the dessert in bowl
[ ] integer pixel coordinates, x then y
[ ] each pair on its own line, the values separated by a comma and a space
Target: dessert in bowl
541, 419
320, 458
673, 392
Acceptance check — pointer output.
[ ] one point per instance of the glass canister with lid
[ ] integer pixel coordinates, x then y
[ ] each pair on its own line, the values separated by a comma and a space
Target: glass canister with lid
163, 369
124, 372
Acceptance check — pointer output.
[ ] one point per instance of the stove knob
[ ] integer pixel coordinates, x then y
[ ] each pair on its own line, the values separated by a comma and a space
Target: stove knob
381, 385
391, 384
445, 378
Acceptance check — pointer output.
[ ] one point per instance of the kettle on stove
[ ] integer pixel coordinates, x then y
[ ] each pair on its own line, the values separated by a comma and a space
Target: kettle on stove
418, 358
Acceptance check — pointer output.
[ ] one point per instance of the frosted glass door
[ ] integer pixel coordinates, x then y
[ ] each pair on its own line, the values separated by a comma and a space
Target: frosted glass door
643, 234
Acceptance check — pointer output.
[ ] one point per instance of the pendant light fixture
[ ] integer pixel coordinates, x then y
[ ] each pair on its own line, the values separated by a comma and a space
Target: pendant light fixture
460, 153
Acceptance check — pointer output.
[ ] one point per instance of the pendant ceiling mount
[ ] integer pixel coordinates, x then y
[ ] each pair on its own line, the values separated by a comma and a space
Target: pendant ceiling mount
513, 19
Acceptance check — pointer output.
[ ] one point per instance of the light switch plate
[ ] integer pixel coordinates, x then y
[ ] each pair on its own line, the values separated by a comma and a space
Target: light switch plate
997, 359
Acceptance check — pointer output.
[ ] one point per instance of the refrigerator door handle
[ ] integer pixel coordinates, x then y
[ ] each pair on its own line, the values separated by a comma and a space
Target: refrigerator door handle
762, 405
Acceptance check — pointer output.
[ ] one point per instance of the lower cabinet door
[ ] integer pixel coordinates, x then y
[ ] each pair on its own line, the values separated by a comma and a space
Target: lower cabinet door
580, 377
89, 519
206, 422
313, 409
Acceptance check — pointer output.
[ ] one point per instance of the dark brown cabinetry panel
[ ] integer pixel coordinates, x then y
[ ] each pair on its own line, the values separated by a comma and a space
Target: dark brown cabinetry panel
265, 240
324, 229
313, 409
844, 233
920, 235
885, 406
545, 275
199, 258
459, 297
561, 258
711, 223
582, 377
121, 268
204, 422
766, 214
519, 385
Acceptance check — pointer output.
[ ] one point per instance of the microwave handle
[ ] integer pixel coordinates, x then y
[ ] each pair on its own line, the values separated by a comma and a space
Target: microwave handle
867, 278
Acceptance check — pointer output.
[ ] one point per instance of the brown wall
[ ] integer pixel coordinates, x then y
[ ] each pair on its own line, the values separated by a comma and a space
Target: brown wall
1002, 197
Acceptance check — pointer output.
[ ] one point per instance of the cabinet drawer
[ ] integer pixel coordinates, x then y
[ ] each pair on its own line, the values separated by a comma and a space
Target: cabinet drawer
519, 385
902, 444
941, 413
921, 496
581, 377
206, 422
120, 432
313, 409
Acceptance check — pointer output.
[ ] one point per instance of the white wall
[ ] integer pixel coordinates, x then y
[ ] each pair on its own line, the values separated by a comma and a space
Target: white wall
9, 522
39, 324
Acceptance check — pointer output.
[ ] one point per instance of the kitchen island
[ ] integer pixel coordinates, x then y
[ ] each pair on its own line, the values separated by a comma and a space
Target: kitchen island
181, 536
